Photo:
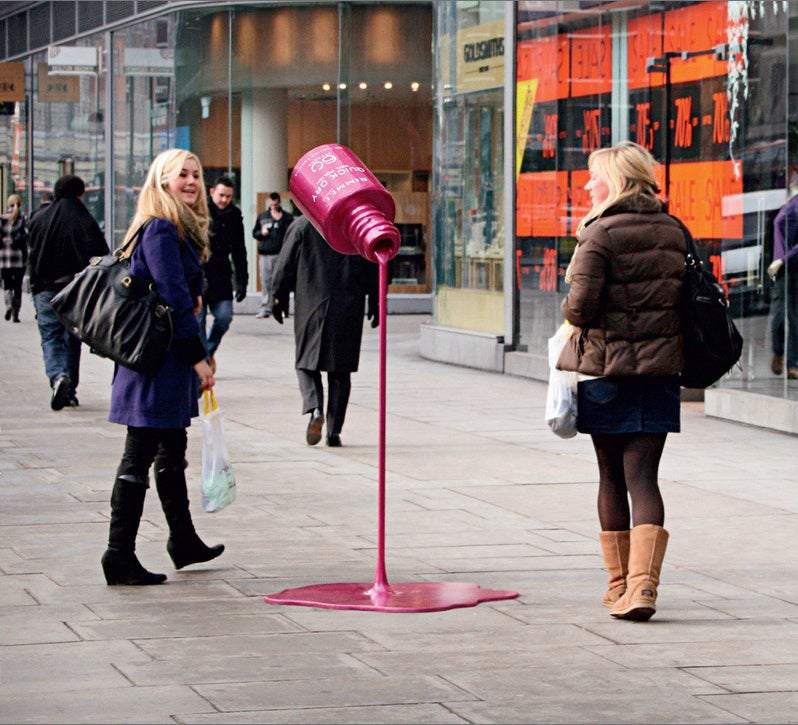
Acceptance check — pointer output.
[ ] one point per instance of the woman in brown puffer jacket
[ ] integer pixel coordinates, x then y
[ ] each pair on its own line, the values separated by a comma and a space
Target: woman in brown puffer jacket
626, 278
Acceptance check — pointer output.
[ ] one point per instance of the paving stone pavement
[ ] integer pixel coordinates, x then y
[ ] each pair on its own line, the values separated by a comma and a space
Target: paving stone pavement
477, 490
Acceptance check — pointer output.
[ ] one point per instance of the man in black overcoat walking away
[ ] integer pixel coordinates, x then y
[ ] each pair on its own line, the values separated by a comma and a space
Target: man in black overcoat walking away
331, 292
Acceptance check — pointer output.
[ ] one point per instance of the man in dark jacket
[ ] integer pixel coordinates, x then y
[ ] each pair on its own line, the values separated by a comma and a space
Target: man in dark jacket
330, 291
227, 240
63, 237
270, 228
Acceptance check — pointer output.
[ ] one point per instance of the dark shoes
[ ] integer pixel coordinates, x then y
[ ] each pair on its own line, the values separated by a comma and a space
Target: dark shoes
777, 364
190, 549
9, 312
73, 401
122, 567
62, 390
313, 434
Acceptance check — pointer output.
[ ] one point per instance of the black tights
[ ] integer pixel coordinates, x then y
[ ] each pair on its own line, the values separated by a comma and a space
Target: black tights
628, 469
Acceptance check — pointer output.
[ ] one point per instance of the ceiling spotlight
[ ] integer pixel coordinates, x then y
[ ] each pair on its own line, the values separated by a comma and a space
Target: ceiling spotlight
414, 86
325, 87
387, 85
362, 85
342, 86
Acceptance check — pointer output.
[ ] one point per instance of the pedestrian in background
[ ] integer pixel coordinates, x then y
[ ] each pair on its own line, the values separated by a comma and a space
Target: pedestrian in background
158, 409
330, 293
46, 199
626, 279
226, 243
13, 255
783, 272
270, 228
62, 237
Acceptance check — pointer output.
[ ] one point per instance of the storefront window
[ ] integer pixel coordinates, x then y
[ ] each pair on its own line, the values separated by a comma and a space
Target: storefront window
254, 100
249, 88
469, 122
704, 86
144, 110
66, 121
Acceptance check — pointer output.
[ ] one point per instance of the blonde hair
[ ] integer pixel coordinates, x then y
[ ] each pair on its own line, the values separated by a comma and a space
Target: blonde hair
155, 201
628, 169
14, 202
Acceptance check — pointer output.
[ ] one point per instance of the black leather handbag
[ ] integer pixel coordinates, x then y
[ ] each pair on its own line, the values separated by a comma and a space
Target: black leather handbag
712, 342
118, 316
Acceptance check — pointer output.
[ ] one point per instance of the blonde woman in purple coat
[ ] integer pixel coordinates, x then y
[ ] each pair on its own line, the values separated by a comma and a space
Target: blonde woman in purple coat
157, 409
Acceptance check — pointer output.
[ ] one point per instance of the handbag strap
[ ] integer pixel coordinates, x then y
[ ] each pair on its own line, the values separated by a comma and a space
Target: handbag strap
129, 243
691, 255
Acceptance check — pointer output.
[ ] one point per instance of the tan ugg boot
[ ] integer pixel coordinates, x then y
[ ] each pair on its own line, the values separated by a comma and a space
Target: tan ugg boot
647, 544
615, 547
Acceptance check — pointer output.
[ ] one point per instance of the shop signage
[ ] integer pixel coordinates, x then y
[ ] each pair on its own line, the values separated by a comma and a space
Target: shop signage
480, 57
12, 82
57, 88
149, 62
72, 60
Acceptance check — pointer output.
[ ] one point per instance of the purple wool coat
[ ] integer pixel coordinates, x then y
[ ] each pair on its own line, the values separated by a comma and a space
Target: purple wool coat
167, 399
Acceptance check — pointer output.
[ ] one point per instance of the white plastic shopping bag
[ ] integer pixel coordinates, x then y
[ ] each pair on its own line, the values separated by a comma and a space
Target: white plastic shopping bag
561, 395
218, 480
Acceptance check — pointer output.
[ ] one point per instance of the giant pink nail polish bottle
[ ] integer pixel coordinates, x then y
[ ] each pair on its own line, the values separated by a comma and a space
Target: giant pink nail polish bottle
346, 203
354, 213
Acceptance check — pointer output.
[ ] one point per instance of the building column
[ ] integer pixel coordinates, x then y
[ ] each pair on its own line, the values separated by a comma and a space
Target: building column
264, 155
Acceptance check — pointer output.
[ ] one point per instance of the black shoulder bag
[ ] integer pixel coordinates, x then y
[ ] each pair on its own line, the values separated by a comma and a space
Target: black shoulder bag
712, 342
117, 315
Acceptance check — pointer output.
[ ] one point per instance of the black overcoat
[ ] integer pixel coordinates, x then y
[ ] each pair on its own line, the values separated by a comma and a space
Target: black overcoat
330, 294
62, 237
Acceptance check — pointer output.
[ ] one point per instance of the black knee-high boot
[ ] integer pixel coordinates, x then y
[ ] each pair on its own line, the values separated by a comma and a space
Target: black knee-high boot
119, 562
184, 545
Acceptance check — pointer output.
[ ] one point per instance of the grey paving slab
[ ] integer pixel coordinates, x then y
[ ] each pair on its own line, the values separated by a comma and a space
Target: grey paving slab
357, 715
104, 705
477, 490
625, 706
332, 692
164, 648
749, 678
781, 707
223, 669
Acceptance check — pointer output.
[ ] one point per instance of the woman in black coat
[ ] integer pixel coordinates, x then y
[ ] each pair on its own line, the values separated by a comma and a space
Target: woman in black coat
330, 294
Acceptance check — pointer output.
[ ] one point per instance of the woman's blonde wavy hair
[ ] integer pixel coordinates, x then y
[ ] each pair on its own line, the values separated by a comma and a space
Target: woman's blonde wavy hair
628, 169
155, 201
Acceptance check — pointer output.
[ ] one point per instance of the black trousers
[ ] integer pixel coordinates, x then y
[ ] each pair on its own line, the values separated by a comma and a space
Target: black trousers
12, 286
143, 445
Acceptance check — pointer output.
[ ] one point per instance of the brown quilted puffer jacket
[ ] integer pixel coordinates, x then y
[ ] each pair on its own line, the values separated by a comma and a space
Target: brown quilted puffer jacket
626, 282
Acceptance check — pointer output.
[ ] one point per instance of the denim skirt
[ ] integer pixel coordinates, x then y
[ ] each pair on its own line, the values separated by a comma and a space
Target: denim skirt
635, 404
